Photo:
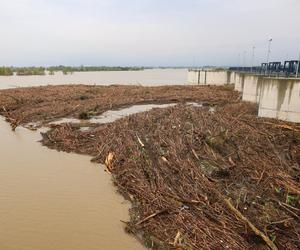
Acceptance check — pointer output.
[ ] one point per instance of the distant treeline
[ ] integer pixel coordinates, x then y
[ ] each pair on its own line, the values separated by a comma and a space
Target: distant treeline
92, 68
6, 71
22, 71
27, 71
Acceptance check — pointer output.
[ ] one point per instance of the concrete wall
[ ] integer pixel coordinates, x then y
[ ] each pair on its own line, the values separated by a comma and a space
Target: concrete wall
252, 88
239, 81
232, 77
209, 77
193, 76
218, 77
280, 98
277, 97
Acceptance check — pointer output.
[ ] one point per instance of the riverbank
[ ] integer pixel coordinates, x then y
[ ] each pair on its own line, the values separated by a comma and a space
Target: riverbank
199, 178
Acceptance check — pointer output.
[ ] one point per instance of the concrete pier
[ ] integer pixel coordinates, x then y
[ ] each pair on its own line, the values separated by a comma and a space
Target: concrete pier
209, 77
239, 81
280, 98
277, 97
252, 88
232, 77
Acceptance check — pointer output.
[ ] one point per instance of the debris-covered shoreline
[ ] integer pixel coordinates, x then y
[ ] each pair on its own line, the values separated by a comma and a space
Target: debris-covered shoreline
198, 179
45, 104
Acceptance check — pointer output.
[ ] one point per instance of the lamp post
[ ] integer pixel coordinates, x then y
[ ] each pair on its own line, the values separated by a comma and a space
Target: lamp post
244, 60
194, 64
268, 54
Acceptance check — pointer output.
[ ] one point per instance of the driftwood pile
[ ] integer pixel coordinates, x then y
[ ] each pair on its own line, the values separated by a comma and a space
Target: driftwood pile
198, 178
45, 104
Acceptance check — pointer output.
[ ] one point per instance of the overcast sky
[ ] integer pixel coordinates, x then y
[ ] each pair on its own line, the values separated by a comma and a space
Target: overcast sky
147, 32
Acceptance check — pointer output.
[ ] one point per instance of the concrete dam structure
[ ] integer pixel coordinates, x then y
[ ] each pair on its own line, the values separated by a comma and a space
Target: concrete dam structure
277, 97
209, 77
280, 98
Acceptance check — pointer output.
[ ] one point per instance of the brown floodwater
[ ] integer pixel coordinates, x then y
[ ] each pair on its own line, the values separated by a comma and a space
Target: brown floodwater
147, 77
54, 200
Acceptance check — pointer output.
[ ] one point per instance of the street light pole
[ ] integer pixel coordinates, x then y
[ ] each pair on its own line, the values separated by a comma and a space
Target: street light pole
194, 64
252, 63
268, 56
244, 60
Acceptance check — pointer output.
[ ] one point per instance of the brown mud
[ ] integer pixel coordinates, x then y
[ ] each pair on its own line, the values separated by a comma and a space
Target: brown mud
197, 179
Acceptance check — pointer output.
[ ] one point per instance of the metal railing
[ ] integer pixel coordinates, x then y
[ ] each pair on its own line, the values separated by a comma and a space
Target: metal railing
276, 69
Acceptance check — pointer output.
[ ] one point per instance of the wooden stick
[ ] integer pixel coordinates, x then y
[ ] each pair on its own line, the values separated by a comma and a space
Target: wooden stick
285, 126
140, 141
255, 229
283, 205
151, 216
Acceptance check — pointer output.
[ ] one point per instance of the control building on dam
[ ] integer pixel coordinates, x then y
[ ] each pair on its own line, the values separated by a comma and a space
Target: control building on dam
277, 95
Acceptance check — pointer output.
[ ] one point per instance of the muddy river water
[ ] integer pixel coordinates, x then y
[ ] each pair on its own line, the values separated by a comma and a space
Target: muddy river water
143, 77
55, 200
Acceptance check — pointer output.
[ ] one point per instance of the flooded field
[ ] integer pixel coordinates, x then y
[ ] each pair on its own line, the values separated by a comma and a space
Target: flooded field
54, 200
144, 77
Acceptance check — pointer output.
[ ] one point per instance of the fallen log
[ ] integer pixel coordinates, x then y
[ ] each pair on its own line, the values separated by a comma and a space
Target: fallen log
269, 242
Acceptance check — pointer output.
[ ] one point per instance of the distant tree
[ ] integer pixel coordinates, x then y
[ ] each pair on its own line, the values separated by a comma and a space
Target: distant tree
6, 71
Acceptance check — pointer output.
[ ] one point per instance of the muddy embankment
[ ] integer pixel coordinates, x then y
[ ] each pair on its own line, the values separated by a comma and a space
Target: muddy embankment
197, 178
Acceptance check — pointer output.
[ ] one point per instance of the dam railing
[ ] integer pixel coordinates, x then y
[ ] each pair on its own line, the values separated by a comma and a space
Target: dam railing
274, 69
